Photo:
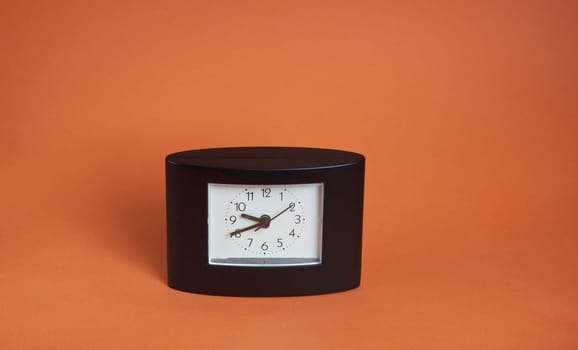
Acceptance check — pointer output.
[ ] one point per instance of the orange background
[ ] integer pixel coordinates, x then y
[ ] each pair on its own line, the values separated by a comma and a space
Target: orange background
467, 113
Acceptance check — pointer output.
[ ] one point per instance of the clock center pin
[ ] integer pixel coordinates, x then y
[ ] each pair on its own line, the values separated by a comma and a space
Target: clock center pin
265, 221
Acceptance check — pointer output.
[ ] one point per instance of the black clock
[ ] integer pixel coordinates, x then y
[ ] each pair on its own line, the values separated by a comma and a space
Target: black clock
264, 221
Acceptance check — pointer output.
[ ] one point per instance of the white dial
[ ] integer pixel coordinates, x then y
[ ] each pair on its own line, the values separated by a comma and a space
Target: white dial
265, 225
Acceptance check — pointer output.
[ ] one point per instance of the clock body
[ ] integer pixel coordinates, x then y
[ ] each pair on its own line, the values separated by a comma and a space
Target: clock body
264, 221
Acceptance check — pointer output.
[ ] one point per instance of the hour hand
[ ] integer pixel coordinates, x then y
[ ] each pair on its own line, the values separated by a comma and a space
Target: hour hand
250, 217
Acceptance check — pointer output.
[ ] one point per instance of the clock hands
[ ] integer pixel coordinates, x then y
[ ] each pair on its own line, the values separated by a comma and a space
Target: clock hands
291, 206
250, 217
246, 228
262, 222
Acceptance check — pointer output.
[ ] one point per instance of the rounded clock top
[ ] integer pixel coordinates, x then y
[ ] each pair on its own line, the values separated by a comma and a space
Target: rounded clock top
265, 158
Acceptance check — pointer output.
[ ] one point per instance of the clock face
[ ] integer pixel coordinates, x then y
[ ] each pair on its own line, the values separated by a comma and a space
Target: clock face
265, 225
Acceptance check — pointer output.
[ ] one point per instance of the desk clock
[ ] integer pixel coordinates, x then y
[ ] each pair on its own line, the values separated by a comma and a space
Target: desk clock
264, 221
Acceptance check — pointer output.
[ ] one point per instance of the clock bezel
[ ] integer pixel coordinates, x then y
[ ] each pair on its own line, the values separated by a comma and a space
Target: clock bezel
187, 231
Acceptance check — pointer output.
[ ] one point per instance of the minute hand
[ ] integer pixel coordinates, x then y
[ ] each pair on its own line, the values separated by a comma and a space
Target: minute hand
258, 225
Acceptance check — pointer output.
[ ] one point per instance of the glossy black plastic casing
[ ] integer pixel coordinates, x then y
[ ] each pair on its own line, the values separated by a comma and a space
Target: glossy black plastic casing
187, 177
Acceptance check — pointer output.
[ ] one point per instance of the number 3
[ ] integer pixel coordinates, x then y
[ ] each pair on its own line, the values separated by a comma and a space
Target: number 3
297, 219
